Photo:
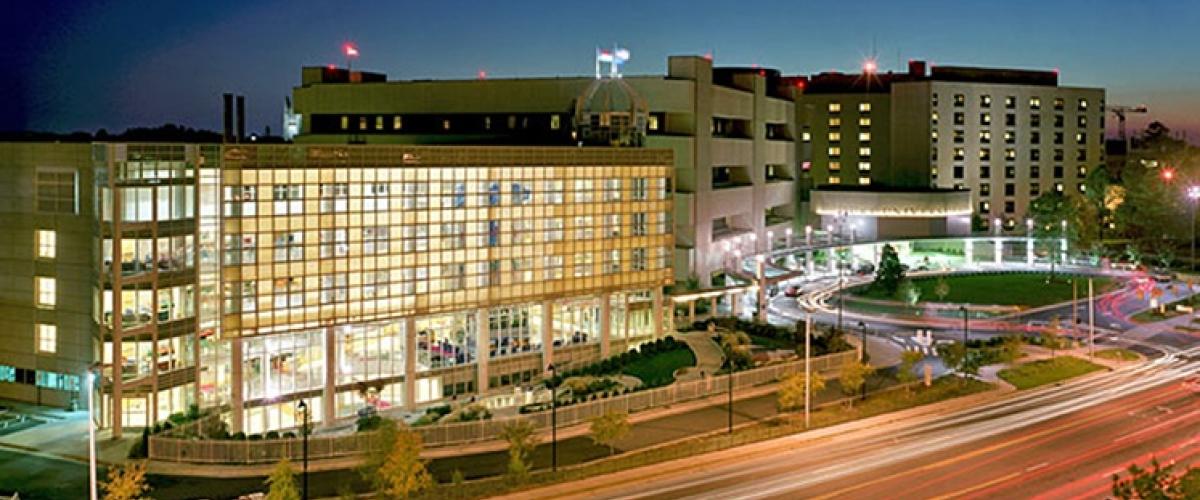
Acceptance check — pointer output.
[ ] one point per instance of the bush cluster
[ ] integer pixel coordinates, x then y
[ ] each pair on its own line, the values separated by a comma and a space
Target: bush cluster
615, 364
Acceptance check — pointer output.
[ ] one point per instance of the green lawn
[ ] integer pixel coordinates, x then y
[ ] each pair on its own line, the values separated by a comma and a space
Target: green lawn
773, 343
1028, 289
661, 366
1118, 354
1152, 315
1046, 371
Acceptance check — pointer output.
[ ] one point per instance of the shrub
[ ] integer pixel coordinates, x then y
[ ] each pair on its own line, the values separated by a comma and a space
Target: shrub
289, 435
254, 437
141, 447
369, 423
272, 435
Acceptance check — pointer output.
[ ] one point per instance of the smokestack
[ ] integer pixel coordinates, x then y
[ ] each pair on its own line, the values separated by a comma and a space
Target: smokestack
916, 68
241, 118
227, 118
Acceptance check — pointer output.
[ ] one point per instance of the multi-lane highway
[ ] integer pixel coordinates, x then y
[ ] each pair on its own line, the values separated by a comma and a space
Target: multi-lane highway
1062, 442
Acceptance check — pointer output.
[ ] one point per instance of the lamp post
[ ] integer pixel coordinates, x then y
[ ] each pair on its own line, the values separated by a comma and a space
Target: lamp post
770, 240
91, 384
966, 326
863, 326
1193, 194
788, 236
841, 298
304, 434
729, 366
553, 417
808, 324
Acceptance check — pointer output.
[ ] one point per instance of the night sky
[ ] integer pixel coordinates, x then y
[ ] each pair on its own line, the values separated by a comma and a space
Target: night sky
83, 65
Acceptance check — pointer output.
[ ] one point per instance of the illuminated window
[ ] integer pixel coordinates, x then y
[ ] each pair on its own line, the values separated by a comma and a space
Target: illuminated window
1010, 137
805, 136
1083, 105
985, 154
835, 180
652, 124
333, 243
864, 166
1080, 138
46, 243
933, 100
864, 151
985, 101
556, 122
960, 118
835, 151
446, 124
835, 166
45, 288
835, 121
1010, 102
334, 197
960, 154
985, 189
864, 121
1035, 103
864, 107
864, 181
1010, 154
933, 135
1081, 172
47, 338
1058, 187
552, 267
985, 118
289, 246
985, 207
333, 288
362, 123
1058, 103
583, 264
1081, 121
835, 136
397, 122
345, 122
960, 100
864, 137
933, 117
985, 136
835, 107
378, 123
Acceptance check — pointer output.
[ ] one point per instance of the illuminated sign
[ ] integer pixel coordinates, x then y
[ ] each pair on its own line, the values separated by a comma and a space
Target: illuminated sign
615, 58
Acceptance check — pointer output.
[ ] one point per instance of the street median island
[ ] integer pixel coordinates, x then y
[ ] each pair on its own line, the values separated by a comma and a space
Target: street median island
1030, 289
1047, 371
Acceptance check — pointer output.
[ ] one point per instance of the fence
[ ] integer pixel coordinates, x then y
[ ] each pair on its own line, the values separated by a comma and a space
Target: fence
174, 449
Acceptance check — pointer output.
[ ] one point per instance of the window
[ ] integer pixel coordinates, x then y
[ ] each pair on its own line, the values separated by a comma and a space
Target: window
552, 267
1010, 189
1035, 120
1081, 172
378, 123
933, 100
612, 262
1010, 207
651, 124
1034, 172
376, 238
46, 243
583, 227
333, 288
835, 166
345, 122
638, 259
639, 188
334, 197
960, 118
446, 124
1010, 154
552, 191
240, 249
1035, 154
985, 189
397, 122
241, 201
1010, 172
835, 150
985, 101
1081, 121
960, 154
288, 293
1058, 171
933, 136
835, 107
864, 181
1058, 187
55, 191
1035, 103
556, 122
958, 171
864, 166
288, 199
1035, 189
835, 180
375, 197
1010, 137
835, 136
985, 154
960, 100
47, 338
639, 224
985, 207
1010, 120
835, 121
1058, 155
806, 136
552, 229
1035, 137
584, 190
45, 288
333, 243
362, 123
583, 264
960, 136
864, 121
1058, 121
1083, 105
933, 118
1081, 138
1010, 102
1058, 137
985, 136
985, 172
1081, 154
864, 107
289, 246
612, 225
985, 119
864, 151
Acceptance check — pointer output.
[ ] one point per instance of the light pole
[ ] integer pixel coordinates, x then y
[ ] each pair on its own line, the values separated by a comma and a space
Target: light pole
1091, 320
808, 324
863, 326
966, 326
729, 366
841, 298
553, 417
1193, 194
91, 384
304, 434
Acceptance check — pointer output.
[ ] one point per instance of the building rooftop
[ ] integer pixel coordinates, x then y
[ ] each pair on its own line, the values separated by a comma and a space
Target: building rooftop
841, 83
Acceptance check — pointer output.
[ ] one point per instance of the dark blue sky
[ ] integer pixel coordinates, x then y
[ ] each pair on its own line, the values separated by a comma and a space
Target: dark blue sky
75, 65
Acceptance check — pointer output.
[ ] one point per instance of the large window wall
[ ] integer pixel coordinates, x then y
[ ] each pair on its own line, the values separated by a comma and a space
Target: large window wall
280, 364
445, 340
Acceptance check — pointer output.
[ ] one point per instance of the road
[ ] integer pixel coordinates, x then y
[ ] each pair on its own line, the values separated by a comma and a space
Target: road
1059, 443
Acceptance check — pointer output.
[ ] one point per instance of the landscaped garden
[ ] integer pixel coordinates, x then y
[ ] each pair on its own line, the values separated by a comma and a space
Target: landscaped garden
1027, 289
1046, 371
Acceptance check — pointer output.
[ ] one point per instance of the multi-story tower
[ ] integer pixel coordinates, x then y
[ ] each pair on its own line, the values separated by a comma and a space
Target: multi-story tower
47, 266
731, 130
1006, 135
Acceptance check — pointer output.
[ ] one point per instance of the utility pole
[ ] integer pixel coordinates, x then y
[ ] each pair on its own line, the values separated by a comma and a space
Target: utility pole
1091, 320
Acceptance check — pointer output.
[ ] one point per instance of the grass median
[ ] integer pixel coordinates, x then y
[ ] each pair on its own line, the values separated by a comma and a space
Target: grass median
943, 389
1118, 354
1023, 289
1046, 371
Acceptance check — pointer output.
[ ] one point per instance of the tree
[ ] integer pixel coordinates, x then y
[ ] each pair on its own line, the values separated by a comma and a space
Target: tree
609, 428
126, 481
1164, 253
403, 473
521, 442
381, 446
1099, 196
1048, 212
952, 354
1010, 349
853, 377
791, 390
282, 483
890, 272
1156, 483
941, 289
906, 373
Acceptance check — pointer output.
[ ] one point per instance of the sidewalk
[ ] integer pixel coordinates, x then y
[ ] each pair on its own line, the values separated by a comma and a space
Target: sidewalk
709, 357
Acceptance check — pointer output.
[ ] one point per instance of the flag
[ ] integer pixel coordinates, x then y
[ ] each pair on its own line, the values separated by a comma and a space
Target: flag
351, 50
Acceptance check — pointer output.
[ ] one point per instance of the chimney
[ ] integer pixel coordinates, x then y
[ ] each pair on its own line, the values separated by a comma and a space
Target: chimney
241, 118
227, 118
916, 68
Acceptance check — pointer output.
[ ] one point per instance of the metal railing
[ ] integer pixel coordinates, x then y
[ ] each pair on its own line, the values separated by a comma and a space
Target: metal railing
171, 448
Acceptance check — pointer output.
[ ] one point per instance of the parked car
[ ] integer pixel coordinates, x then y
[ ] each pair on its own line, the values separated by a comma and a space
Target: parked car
792, 291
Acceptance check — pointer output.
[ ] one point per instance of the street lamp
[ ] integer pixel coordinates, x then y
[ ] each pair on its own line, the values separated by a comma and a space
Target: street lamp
729, 366
770, 240
996, 226
1029, 227
91, 384
808, 325
1193, 194
788, 233
303, 407
966, 326
841, 297
553, 417
863, 326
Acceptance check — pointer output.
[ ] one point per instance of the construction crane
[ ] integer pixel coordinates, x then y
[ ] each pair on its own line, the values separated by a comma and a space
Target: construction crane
1120, 112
